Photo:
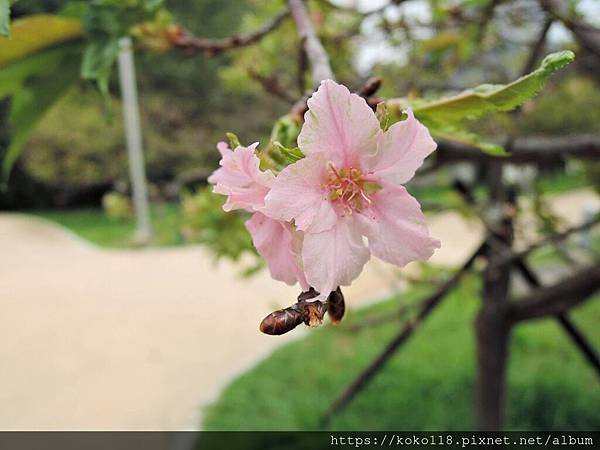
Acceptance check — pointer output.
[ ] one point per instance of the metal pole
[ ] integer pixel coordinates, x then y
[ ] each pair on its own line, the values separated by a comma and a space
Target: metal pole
133, 134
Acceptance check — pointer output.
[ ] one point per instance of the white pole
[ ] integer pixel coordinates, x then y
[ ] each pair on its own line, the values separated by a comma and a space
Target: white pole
133, 134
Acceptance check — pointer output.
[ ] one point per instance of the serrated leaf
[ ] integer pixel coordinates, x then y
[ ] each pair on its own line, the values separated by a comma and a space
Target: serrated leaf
5, 18
486, 98
34, 33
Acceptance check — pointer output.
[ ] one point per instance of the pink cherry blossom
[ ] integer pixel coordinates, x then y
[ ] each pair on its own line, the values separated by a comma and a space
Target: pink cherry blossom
279, 244
348, 188
241, 179
245, 186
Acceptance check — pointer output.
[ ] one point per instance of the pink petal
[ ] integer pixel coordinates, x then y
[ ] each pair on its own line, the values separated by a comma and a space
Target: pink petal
334, 258
241, 179
395, 227
401, 151
277, 244
297, 194
339, 124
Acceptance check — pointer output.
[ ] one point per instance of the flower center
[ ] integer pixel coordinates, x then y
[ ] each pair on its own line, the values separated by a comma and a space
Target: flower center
349, 189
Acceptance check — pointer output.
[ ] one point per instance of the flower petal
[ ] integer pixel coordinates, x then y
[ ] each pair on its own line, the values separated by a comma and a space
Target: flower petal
339, 124
277, 243
395, 227
401, 151
297, 194
241, 179
333, 258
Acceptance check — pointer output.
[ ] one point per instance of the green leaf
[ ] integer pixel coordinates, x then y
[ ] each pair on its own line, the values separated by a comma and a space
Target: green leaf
234, 141
35, 84
468, 138
35, 33
98, 59
291, 155
383, 116
487, 98
5, 18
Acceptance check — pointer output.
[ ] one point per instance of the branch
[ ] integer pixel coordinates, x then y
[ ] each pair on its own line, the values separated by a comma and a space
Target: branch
537, 48
552, 239
316, 54
526, 150
558, 298
426, 308
587, 35
191, 45
272, 85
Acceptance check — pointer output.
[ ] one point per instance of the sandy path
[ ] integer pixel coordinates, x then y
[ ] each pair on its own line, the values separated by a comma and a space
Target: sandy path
103, 339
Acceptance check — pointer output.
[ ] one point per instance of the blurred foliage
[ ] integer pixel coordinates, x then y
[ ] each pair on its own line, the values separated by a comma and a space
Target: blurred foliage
5, 18
37, 32
34, 83
92, 150
117, 206
280, 53
204, 221
104, 23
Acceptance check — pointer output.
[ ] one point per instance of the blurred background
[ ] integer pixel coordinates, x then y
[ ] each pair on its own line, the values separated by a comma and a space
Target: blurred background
102, 329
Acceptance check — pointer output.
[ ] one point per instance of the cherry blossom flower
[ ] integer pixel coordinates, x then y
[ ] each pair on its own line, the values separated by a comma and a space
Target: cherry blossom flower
245, 185
240, 178
349, 187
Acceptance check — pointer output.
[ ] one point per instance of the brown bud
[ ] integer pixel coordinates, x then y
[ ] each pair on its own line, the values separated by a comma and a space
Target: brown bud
337, 306
281, 321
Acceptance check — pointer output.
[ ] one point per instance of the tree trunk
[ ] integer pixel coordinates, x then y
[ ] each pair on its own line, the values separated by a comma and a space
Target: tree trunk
492, 324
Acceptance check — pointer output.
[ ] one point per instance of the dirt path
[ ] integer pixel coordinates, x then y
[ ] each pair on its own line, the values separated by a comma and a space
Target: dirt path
103, 339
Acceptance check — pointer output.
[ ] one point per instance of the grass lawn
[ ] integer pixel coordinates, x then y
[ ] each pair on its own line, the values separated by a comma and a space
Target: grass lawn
428, 385
94, 225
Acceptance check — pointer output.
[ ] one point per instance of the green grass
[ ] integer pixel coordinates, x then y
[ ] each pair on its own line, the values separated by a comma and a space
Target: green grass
428, 385
95, 226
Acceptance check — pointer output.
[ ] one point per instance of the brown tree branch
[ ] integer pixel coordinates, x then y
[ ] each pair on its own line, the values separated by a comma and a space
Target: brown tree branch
526, 150
191, 45
559, 298
316, 54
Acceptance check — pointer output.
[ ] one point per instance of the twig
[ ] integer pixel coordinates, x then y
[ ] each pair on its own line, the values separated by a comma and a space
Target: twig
316, 54
272, 85
191, 45
510, 257
587, 35
427, 307
537, 49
